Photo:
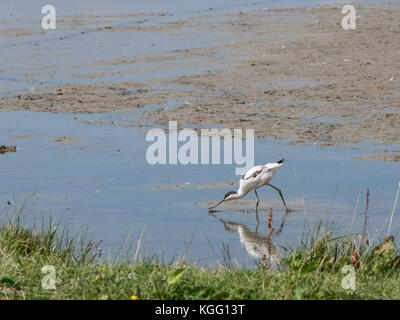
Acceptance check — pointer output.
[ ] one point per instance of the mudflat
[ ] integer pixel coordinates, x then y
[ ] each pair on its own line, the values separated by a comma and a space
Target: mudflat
291, 74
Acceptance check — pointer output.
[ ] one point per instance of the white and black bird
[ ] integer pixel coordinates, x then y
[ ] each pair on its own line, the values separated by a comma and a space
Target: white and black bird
253, 179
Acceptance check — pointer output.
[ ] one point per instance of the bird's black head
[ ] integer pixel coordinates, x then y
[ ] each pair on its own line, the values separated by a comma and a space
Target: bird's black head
229, 193
281, 161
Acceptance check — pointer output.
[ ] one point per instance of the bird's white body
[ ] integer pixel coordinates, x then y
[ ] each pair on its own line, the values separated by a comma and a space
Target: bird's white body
255, 178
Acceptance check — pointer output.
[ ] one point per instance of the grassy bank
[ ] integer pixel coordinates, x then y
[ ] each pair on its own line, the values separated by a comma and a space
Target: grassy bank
311, 271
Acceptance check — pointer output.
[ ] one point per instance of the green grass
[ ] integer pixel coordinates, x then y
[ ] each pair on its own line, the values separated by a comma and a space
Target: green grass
313, 270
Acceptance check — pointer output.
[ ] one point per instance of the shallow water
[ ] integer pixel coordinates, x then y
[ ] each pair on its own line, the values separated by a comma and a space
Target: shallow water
103, 182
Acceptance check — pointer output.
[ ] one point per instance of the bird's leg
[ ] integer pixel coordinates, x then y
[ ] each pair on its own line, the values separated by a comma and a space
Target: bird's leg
258, 199
280, 193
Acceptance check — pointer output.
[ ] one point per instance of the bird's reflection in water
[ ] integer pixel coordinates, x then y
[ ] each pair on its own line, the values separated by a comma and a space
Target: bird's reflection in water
256, 245
277, 232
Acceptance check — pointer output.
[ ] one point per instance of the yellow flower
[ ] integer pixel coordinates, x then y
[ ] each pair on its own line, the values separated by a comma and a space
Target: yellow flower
103, 269
133, 297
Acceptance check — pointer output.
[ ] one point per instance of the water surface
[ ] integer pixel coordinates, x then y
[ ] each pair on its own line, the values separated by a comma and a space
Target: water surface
103, 181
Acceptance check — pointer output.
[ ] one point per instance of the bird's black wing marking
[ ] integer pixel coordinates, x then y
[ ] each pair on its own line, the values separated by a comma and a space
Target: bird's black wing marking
255, 174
